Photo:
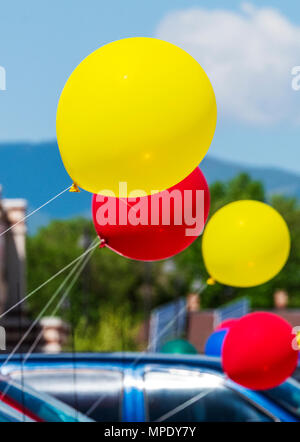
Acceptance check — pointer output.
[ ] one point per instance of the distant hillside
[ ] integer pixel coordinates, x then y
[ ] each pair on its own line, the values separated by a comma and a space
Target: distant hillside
275, 180
36, 172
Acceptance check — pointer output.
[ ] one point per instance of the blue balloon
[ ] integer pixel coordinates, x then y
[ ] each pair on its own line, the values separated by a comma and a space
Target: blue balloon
214, 343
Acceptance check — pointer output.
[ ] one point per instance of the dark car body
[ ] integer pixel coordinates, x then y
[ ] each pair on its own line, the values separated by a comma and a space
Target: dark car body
153, 387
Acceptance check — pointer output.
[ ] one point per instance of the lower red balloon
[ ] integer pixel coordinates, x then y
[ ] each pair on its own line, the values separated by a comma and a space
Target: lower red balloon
154, 227
258, 352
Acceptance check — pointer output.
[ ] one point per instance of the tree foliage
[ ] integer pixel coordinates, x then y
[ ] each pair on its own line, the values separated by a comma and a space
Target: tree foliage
113, 294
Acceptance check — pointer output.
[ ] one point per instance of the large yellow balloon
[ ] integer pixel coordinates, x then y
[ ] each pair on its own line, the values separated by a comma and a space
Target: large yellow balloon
246, 243
138, 110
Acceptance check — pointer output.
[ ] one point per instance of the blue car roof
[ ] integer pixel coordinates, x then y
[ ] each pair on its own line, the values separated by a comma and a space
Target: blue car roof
120, 358
130, 356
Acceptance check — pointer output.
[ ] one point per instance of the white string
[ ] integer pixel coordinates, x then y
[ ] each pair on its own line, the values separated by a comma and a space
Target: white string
35, 211
48, 281
59, 304
38, 338
182, 406
53, 297
83, 263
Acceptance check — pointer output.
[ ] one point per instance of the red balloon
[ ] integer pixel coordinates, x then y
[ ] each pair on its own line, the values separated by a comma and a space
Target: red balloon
226, 324
157, 226
257, 351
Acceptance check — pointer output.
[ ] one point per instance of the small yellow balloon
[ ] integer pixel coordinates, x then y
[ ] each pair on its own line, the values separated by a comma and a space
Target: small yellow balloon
245, 243
140, 111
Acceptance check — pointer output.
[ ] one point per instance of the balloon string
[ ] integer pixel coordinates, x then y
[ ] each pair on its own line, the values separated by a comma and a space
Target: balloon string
48, 281
184, 405
35, 211
81, 264
77, 272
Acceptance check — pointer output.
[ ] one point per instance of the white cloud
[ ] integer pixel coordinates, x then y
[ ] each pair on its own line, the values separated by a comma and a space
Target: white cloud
248, 56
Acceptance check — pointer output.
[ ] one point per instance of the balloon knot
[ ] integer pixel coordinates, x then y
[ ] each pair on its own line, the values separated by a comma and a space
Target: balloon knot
74, 188
210, 281
102, 243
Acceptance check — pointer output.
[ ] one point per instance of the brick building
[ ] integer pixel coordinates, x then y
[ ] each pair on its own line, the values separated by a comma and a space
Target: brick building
13, 273
13, 286
201, 323
12, 252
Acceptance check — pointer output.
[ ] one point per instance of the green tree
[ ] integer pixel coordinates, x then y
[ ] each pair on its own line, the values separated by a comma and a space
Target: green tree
191, 263
114, 294
110, 287
116, 329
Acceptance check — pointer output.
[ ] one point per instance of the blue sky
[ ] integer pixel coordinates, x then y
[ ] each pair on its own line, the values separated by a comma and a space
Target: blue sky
259, 113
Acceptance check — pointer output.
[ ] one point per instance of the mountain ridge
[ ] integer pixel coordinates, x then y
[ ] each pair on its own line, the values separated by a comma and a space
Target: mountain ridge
34, 171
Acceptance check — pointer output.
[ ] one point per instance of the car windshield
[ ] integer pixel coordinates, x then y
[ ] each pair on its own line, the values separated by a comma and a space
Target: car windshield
287, 395
39, 406
180, 395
